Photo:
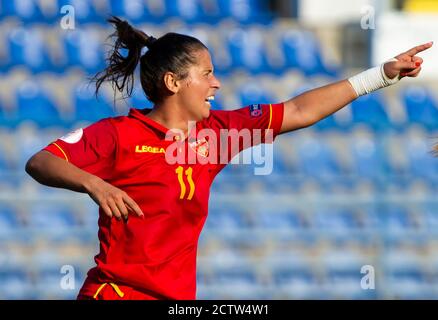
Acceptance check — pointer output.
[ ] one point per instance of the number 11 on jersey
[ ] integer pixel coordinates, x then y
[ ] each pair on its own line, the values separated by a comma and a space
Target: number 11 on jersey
180, 172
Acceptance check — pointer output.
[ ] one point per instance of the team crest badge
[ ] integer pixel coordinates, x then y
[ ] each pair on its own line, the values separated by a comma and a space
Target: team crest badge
201, 147
255, 110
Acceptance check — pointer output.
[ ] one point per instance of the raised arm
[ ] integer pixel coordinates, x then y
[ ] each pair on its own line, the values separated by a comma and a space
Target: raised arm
308, 108
52, 171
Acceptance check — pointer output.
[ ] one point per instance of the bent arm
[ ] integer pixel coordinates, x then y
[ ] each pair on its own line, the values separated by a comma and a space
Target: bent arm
53, 171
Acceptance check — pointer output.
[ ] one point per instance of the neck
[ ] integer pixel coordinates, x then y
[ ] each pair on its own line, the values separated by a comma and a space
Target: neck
171, 116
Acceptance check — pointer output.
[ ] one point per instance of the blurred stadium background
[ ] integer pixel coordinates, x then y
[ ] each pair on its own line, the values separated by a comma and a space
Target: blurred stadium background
359, 188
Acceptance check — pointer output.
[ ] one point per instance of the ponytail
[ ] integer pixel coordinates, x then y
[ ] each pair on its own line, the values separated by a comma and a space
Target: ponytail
120, 70
172, 52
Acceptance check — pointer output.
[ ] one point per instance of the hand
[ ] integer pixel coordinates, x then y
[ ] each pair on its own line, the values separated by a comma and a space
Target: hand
112, 200
408, 64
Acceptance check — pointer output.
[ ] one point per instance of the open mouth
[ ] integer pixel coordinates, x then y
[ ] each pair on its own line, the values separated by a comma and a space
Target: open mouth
209, 99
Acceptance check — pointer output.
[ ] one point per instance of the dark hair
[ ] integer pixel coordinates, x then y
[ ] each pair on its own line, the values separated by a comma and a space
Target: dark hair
172, 52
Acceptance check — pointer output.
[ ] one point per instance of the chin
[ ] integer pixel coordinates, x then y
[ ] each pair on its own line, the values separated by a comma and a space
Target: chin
205, 113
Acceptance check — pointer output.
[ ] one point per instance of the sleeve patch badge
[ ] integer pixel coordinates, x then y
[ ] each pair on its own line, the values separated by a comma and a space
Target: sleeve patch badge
255, 110
73, 136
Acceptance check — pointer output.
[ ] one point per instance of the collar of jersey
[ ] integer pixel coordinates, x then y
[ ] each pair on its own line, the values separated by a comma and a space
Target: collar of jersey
140, 114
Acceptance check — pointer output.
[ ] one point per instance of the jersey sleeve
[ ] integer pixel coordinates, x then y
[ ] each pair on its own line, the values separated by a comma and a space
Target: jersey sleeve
247, 127
92, 149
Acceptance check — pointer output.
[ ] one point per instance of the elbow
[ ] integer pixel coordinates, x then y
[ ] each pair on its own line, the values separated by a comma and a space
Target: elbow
306, 121
33, 165
296, 117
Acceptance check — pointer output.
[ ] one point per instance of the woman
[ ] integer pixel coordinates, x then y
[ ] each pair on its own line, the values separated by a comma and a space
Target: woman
138, 166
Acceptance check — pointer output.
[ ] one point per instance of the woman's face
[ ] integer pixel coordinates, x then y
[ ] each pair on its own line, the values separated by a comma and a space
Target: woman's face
199, 87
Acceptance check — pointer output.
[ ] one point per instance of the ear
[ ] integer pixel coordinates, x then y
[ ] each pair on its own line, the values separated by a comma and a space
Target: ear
171, 82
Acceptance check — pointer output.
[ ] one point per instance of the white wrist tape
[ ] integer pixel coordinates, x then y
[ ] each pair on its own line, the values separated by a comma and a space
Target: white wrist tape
372, 80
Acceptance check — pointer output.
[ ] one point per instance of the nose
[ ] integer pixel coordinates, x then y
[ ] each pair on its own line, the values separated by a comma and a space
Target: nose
216, 83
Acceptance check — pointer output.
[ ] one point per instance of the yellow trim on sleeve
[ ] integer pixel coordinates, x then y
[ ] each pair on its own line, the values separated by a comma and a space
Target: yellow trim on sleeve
270, 116
99, 290
113, 285
66, 158
117, 290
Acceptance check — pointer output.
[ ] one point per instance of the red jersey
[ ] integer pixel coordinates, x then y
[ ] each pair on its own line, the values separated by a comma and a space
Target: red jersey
157, 255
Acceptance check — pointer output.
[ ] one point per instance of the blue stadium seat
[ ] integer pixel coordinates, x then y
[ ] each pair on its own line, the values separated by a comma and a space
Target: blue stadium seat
6, 118
236, 275
369, 218
302, 51
317, 160
83, 49
245, 11
35, 104
222, 218
334, 220
421, 163
251, 93
138, 99
264, 163
370, 110
369, 160
85, 12
210, 11
136, 11
8, 220
4, 161
88, 107
15, 284
247, 50
343, 275
420, 107
395, 220
27, 48
406, 276
327, 123
430, 216
188, 10
89, 215
288, 276
277, 220
28, 142
296, 281
48, 285
27, 11
52, 218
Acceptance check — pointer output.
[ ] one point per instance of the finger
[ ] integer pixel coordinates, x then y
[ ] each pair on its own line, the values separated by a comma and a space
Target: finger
414, 73
409, 73
122, 208
133, 205
107, 210
114, 209
418, 60
418, 49
409, 65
